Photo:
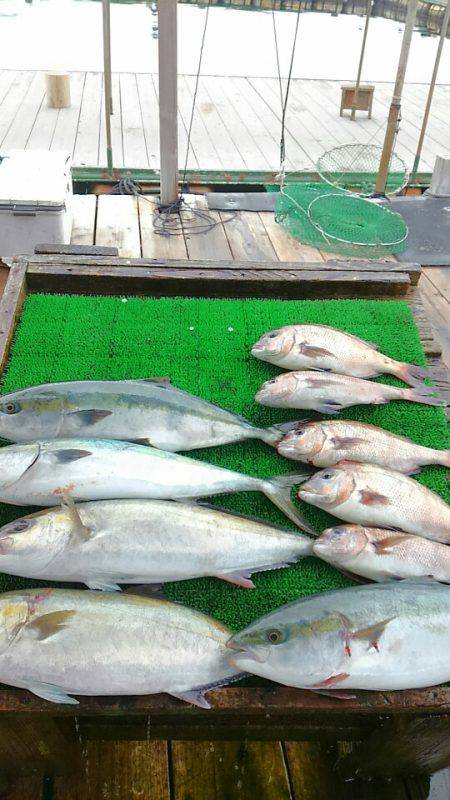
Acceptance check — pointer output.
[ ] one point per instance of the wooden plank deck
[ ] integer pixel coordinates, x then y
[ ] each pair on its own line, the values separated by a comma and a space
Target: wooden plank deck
236, 125
183, 770
127, 223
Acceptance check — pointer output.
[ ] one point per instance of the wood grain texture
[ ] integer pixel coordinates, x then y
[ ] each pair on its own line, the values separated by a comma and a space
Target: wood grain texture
118, 224
214, 771
118, 771
84, 214
10, 308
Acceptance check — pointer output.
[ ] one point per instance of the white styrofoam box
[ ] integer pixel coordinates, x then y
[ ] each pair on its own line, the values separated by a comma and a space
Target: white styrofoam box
35, 200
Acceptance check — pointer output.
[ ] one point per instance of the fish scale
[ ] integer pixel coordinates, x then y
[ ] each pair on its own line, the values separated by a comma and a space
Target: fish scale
326, 443
329, 393
383, 555
370, 495
314, 346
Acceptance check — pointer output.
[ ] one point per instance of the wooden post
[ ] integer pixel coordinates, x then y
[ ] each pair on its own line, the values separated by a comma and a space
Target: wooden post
168, 106
361, 59
394, 110
444, 28
107, 80
57, 89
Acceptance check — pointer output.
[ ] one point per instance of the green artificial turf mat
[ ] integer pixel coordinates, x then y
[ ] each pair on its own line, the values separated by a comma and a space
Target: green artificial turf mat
204, 346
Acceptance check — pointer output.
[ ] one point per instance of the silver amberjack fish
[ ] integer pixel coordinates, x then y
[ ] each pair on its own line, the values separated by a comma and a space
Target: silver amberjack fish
57, 643
40, 473
149, 411
380, 636
109, 542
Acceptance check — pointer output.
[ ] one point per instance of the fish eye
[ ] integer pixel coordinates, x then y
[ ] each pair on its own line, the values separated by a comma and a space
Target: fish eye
272, 335
275, 636
327, 475
10, 407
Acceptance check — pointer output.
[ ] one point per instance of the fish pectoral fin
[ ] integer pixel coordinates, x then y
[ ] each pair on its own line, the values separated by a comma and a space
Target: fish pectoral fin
102, 585
67, 455
346, 441
240, 578
193, 696
89, 416
52, 693
329, 407
81, 532
372, 633
387, 545
311, 351
329, 683
48, 625
339, 694
367, 497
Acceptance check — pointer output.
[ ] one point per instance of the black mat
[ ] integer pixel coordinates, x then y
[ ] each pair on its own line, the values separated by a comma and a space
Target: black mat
428, 221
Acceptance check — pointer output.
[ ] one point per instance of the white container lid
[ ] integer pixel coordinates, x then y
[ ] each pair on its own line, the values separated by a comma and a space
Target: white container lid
34, 178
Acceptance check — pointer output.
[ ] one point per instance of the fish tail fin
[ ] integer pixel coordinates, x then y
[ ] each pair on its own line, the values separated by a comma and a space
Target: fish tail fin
424, 395
411, 374
276, 433
278, 490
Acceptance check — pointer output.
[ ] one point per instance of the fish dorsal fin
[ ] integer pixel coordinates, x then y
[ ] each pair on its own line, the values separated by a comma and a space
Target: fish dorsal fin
373, 345
81, 533
164, 381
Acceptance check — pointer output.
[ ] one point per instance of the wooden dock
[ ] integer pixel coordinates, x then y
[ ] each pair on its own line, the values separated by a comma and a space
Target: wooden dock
236, 126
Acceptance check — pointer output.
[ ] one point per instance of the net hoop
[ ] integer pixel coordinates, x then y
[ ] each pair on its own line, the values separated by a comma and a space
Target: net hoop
346, 163
383, 214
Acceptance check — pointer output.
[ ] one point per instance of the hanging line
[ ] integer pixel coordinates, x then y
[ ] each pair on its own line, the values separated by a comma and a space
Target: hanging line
284, 99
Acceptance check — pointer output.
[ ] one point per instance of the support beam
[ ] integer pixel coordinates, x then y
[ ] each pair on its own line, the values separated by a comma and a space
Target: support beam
168, 110
107, 82
395, 107
361, 59
444, 28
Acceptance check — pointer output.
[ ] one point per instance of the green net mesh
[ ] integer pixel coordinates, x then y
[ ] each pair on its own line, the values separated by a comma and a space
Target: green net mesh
355, 166
339, 222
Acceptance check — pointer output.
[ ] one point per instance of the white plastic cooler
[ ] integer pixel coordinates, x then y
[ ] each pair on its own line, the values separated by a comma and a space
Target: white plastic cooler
35, 200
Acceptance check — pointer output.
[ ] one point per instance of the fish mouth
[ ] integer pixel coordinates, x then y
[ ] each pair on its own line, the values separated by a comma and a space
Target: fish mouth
242, 653
305, 490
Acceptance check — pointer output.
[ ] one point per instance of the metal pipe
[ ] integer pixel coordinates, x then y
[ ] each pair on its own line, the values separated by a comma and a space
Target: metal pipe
395, 107
107, 82
444, 28
361, 59
168, 105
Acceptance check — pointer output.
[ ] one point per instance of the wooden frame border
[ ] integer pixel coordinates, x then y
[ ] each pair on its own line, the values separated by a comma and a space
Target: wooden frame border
238, 712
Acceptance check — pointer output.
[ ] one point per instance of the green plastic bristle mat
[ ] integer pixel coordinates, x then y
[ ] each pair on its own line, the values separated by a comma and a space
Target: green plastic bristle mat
204, 346
340, 222
355, 166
